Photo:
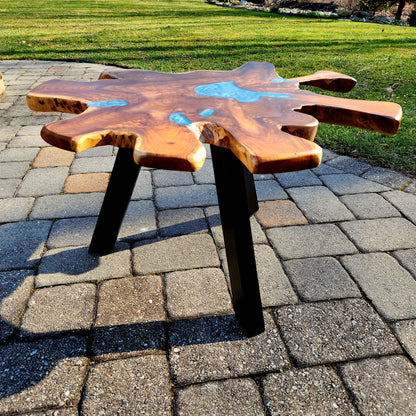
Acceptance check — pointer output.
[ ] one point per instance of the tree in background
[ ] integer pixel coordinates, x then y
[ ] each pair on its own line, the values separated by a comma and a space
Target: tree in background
373, 6
400, 8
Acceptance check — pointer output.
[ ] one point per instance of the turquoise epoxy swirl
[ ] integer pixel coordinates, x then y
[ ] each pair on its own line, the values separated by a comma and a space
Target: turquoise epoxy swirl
180, 118
283, 80
108, 103
228, 89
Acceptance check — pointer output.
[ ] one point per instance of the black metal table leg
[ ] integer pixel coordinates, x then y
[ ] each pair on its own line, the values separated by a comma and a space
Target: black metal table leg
237, 201
253, 205
116, 200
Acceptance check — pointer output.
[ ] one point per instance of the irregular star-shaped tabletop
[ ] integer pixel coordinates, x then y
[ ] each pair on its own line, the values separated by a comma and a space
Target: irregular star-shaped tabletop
265, 120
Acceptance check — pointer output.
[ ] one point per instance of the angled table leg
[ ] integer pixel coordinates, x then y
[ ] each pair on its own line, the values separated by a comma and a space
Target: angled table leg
250, 189
117, 198
237, 201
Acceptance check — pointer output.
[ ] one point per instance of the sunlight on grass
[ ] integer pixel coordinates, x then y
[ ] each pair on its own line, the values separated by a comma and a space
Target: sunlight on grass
174, 35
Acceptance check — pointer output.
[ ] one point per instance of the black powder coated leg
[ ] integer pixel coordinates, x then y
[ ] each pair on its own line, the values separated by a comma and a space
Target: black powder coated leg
253, 205
237, 201
117, 198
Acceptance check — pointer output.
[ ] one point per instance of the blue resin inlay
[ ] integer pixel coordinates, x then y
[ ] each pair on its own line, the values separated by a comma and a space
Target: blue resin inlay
228, 89
108, 103
179, 118
283, 80
207, 112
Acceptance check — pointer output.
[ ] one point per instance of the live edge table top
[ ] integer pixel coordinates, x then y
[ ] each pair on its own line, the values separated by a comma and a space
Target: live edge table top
266, 121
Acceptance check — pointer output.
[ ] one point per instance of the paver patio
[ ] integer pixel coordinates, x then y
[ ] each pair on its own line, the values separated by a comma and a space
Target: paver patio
149, 329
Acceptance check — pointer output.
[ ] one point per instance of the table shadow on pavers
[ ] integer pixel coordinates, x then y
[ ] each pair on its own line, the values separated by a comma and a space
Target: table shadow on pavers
63, 266
37, 362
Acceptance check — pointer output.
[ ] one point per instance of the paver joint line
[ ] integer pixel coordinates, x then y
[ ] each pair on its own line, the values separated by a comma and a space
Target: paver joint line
149, 328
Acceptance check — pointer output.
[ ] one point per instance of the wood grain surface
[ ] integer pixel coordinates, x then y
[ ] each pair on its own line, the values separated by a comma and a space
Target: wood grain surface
266, 121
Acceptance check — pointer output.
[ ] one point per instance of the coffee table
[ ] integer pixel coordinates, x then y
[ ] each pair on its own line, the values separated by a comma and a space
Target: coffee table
254, 120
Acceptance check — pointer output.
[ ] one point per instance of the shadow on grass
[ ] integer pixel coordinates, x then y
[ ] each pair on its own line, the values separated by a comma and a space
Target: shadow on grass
175, 54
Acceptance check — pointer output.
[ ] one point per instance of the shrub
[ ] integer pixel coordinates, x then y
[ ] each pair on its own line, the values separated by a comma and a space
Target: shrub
412, 18
373, 6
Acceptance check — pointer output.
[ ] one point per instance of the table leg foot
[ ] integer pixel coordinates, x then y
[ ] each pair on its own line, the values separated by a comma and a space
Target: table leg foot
116, 200
237, 201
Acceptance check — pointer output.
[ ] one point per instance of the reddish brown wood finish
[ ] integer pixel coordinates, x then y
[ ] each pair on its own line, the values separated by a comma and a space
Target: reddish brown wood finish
269, 135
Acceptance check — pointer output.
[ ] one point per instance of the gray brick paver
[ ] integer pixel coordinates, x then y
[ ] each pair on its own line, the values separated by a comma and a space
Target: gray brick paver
238, 397
43, 181
411, 188
320, 278
143, 188
369, 206
9, 170
334, 331
71, 232
383, 234
7, 133
18, 155
45, 373
300, 178
176, 253
59, 309
214, 348
130, 316
308, 391
351, 184
182, 221
349, 165
92, 164
134, 386
269, 190
67, 206
15, 289
406, 333
22, 243
328, 155
311, 200
194, 293
28, 120
162, 178
407, 259
185, 196
309, 241
25, 141
404, 202
75, 264
100, 151
384, 386
279, 213
387, 177
389, 286
15, 209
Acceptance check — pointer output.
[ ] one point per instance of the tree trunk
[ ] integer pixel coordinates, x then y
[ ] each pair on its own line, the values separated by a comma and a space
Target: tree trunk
400, 9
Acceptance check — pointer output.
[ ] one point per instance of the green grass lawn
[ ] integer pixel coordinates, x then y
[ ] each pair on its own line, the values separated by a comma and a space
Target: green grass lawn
182, 35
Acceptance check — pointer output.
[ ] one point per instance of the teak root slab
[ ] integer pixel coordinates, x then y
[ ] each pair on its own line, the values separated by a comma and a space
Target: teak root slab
266, 121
